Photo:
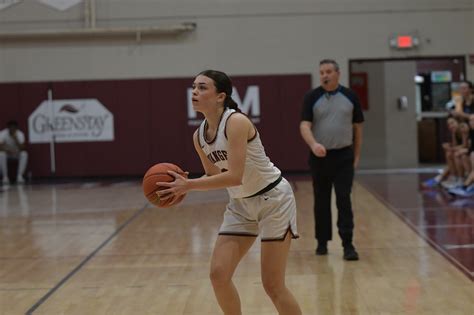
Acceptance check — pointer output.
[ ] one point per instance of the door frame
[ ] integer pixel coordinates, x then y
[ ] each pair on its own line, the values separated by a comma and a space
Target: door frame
462, 57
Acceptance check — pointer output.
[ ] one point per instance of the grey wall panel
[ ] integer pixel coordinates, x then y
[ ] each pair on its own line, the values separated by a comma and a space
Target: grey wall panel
241, 37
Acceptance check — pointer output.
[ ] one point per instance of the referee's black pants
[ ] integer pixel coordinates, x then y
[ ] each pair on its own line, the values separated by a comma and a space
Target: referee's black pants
335, 169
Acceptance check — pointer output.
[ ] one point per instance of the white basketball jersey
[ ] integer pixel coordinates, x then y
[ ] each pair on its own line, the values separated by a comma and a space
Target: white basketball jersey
8, 142
259, 170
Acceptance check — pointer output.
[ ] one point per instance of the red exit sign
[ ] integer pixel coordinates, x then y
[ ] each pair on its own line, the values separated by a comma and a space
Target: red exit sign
404, 42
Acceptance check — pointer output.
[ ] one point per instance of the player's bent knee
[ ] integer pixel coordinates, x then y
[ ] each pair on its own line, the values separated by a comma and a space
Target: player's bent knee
273, 288
219, 276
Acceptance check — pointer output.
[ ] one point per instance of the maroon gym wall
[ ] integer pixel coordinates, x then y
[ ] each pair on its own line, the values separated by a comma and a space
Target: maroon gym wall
151, 123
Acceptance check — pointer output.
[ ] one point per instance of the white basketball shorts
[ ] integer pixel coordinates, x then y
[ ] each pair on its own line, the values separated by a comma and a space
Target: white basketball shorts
270, 215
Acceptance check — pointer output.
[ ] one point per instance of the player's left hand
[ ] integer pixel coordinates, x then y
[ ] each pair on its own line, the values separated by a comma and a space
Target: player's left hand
175, 188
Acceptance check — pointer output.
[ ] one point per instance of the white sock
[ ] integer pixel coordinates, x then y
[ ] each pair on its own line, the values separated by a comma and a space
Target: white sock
23, 160
3, 164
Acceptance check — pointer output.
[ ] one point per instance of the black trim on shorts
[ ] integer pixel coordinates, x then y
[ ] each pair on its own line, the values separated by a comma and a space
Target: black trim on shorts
281, 239
238, 234
266, 188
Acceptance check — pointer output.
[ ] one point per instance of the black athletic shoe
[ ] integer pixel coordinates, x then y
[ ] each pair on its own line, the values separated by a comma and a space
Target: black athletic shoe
350, 253
322, 249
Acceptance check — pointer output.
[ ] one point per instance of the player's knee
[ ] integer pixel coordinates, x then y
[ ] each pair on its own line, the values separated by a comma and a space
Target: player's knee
273, 286
219, 276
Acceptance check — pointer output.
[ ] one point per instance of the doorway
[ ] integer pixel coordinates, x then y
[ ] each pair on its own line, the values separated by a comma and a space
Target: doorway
406, 103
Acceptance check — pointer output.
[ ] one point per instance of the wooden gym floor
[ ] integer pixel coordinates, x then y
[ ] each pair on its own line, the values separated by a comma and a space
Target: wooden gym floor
98, 248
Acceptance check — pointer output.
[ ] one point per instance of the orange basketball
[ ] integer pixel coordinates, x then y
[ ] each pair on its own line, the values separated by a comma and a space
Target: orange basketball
159, 173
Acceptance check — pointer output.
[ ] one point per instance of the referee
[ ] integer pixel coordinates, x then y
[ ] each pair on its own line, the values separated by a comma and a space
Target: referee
331, 125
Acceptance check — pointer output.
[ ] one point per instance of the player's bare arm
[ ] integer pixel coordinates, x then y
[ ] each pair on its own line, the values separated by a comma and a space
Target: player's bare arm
239, 128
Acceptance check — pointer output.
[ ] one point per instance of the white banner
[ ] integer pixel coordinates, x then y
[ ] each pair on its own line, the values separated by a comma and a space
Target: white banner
6, 3
82, 120
61, 5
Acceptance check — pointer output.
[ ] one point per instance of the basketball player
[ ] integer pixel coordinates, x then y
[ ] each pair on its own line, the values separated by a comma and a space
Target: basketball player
261, 200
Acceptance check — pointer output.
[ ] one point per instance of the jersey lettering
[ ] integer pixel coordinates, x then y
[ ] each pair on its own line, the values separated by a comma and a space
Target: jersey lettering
218, 155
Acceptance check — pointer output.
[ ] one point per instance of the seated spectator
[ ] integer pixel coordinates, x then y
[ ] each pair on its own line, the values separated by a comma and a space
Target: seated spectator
461, 152
465, 104
458, 142
12, 146
468, 186
449, 176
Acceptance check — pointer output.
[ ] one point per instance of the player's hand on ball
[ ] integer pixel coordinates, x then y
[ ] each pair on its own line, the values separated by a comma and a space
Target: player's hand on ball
158, 173
176, 188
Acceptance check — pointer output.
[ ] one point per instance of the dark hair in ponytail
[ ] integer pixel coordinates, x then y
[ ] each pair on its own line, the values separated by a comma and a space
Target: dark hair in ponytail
223, 85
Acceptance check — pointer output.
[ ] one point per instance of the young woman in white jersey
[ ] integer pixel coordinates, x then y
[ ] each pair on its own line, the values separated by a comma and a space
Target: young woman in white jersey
261, 201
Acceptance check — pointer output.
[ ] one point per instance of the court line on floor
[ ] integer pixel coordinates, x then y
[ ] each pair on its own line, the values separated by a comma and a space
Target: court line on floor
454, 246
384, 171
85, 261
432, 209
445, 226
437, 247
